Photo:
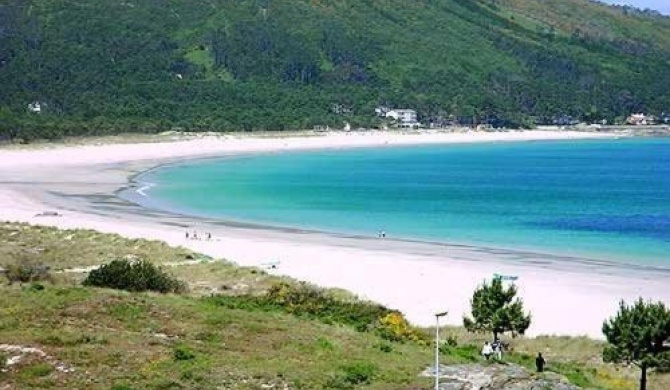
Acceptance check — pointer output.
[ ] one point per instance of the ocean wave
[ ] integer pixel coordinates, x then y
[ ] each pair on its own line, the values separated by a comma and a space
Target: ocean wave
145, 187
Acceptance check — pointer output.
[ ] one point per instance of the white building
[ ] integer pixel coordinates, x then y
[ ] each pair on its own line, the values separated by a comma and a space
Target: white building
640, 120
35, 107
404, 118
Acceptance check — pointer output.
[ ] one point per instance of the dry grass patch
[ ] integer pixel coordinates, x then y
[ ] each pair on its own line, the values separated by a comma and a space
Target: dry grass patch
63, 249
222, 277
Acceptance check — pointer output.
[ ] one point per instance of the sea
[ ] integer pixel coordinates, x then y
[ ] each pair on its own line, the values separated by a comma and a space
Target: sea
595, 199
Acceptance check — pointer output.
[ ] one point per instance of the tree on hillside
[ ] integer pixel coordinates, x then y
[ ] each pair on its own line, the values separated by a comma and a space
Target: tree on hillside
639, 334
495, 309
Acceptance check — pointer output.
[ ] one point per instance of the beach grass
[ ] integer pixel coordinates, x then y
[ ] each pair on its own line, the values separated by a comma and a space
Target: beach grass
120, 340
223, 277
67, 249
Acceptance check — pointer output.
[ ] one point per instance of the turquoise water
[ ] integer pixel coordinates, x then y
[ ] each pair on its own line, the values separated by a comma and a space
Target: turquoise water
605, 199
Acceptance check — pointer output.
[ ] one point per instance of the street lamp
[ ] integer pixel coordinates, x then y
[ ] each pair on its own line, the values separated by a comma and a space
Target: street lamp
437, 348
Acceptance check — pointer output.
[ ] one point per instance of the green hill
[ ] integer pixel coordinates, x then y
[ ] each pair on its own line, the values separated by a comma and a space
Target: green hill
100, 67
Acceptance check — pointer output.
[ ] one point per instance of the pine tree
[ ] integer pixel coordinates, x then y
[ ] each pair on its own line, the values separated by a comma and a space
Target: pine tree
495, 309
639, 334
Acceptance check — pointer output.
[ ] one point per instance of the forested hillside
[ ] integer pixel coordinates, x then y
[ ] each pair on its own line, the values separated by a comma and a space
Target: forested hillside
101, 67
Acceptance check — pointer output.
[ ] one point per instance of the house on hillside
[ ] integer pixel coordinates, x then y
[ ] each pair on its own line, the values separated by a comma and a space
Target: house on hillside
35, 107
640, 120
404, 118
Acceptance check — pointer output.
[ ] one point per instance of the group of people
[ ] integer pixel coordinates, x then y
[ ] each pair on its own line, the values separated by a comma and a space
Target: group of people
194, 236
492, 349
495, 349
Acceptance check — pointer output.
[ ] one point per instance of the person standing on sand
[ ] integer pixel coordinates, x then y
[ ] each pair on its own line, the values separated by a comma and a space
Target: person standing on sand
539, 362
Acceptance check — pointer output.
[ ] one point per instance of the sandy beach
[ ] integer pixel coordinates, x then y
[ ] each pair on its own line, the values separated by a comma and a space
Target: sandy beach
566, 295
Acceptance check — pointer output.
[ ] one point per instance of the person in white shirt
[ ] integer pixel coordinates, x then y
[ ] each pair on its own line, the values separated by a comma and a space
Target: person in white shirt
487, 350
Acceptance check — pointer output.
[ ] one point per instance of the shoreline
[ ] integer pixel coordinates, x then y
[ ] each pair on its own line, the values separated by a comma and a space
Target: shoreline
418, 278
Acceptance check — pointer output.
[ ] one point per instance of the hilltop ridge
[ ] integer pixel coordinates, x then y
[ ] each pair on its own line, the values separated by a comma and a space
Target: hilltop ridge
107, 67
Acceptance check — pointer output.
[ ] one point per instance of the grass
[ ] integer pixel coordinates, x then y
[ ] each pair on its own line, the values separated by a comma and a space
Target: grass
225, 278
62, 249
119, 340
150, 341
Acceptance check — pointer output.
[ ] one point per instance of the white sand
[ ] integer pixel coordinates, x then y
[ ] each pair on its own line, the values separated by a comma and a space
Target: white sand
565, 296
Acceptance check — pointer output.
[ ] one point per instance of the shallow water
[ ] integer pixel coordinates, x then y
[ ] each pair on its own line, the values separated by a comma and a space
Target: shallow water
604, 199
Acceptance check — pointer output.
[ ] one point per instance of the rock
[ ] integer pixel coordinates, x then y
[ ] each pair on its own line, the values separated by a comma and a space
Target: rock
496, 377
13, 360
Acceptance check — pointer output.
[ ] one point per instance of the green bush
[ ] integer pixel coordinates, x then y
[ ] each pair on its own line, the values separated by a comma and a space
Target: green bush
303, 299
452, 341
182, 353
134, 276
27, 271
359, 373
352, 376
384, 347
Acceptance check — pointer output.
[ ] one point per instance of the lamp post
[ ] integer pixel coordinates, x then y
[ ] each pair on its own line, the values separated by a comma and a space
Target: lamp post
437, 348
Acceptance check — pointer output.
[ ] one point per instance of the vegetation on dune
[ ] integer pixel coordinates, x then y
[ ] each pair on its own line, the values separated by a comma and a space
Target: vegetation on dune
62, 249
25, 270
495, 310
279, 332
639, 334
107, 67
136, 276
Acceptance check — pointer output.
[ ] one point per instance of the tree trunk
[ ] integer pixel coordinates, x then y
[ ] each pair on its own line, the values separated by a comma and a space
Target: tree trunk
495, 337
643, 378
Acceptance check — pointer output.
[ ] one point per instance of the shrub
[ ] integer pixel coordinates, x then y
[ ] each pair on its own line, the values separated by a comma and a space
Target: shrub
303, 299
27, 271
352, 375
384, 347
359, 373
394, 327
452, 341
134, 276
182, 353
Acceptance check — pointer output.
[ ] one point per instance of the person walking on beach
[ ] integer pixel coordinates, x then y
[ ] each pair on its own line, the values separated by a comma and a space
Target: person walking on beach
539, 362
487, 350
187, 234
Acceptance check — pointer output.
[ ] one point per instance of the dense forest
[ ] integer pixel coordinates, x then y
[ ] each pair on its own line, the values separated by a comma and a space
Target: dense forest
103, 67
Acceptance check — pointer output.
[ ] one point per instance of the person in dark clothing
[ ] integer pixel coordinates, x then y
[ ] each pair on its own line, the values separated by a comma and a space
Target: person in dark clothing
539, 362
497, 349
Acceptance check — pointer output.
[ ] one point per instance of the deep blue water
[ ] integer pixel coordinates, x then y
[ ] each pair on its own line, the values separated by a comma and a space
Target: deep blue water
605, 199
